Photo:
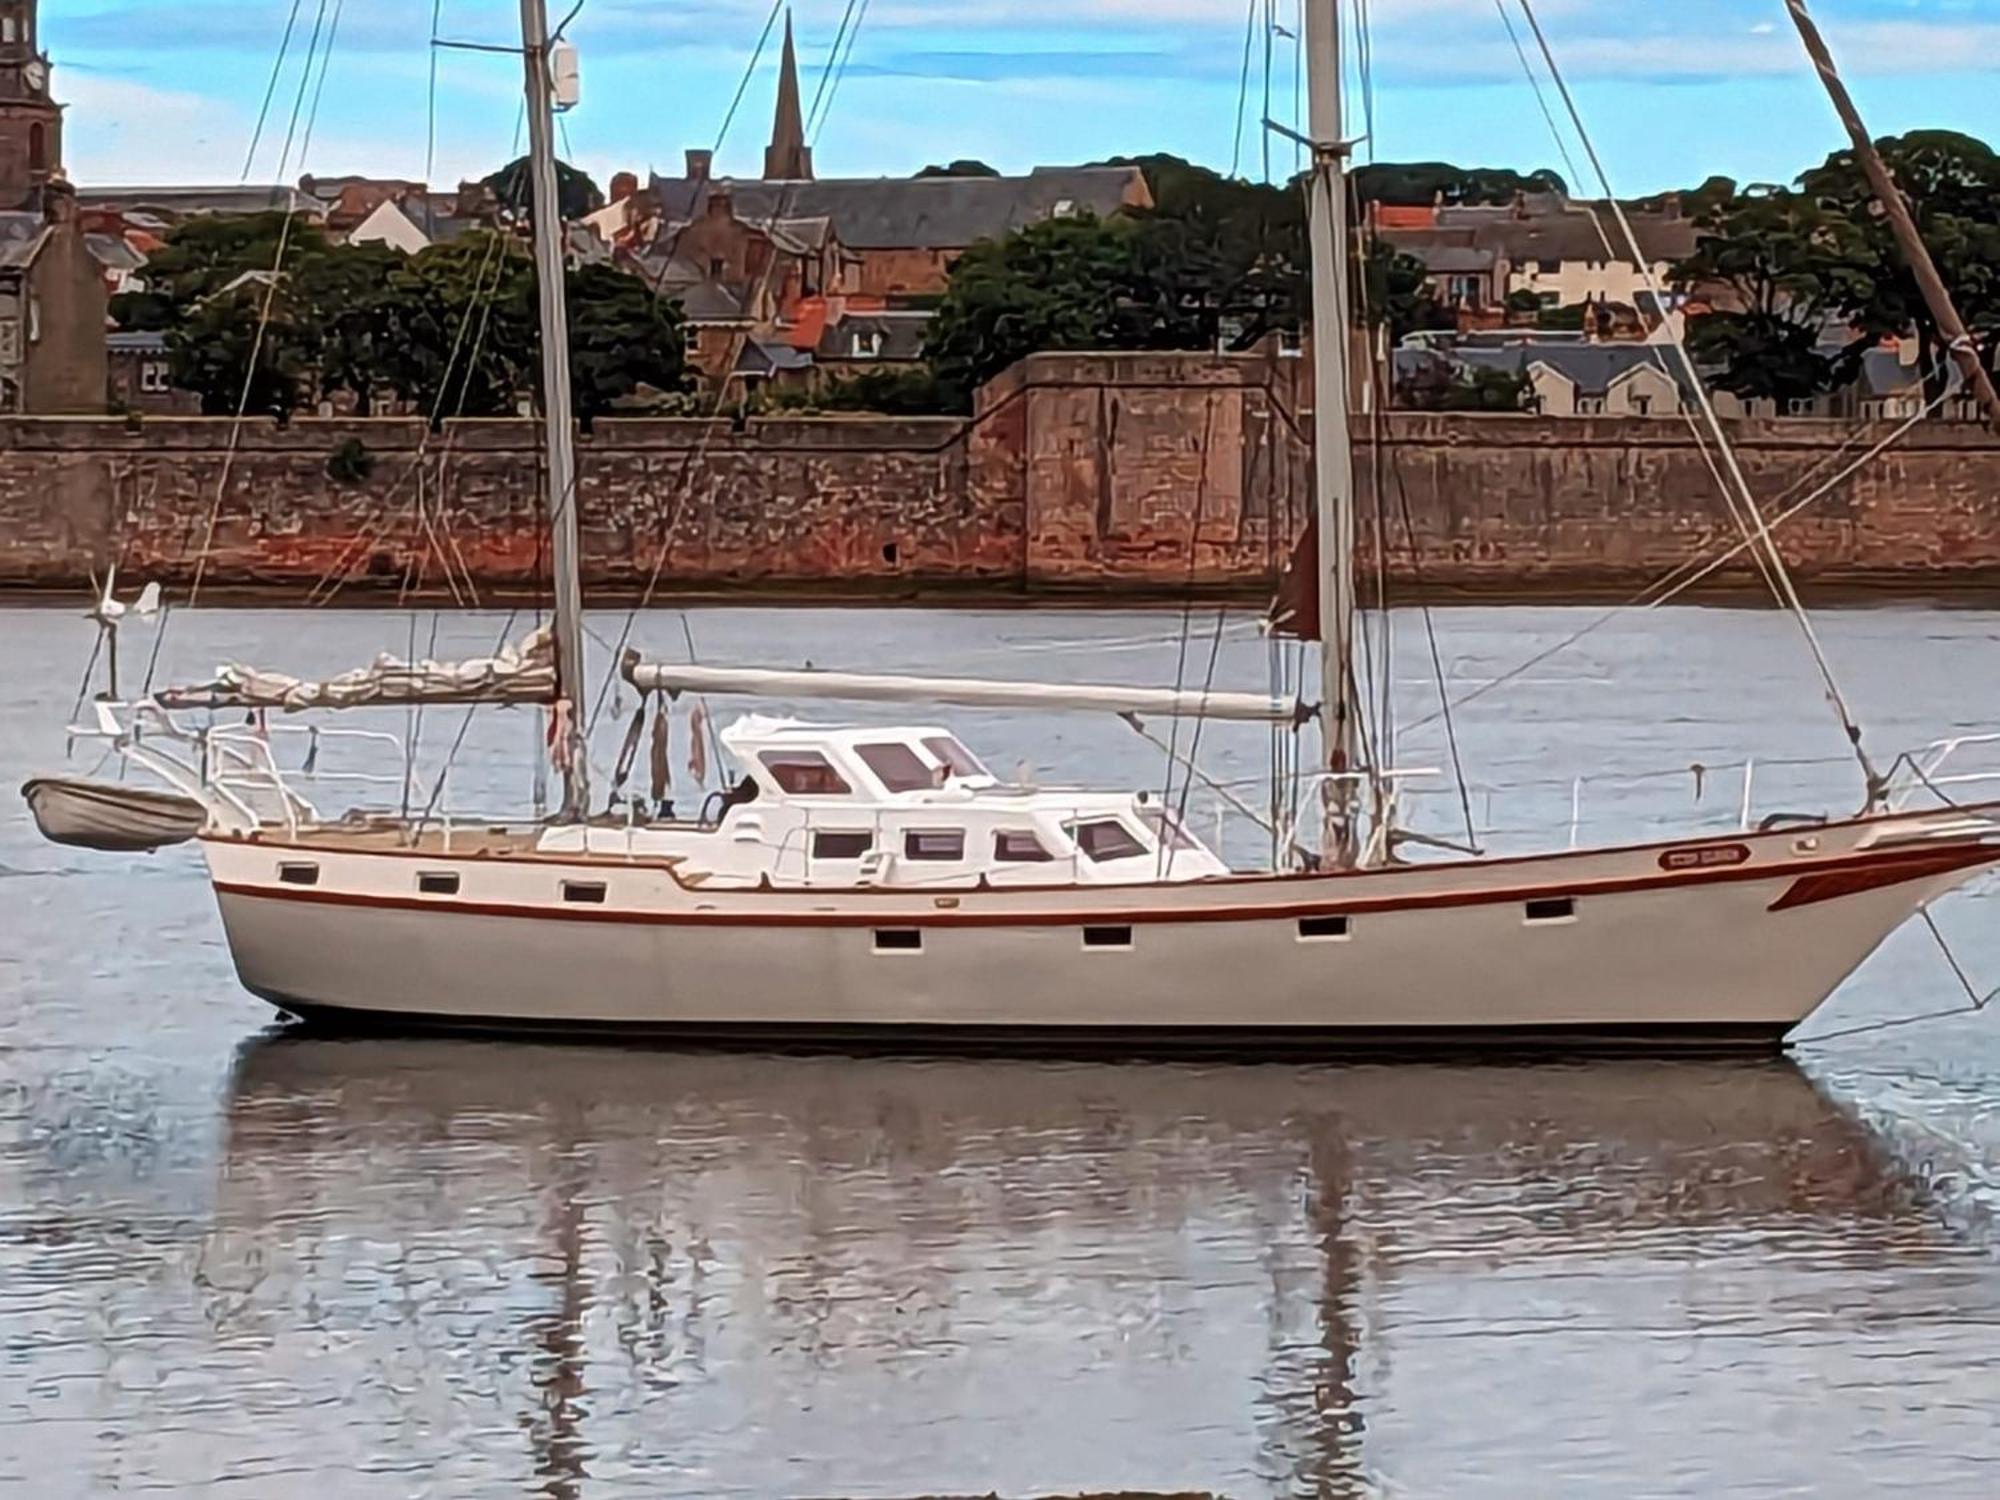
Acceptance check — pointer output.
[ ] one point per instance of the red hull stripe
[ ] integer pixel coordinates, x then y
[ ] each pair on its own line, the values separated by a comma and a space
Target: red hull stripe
1831, 885
1870, 869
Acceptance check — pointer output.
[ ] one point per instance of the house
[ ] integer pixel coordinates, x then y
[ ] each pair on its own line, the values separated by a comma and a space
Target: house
139, 378
162, 207
53, 308
904, 234
1570, 377
1542, 246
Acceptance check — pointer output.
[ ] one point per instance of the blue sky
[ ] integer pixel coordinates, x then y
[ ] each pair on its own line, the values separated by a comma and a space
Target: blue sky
168, 91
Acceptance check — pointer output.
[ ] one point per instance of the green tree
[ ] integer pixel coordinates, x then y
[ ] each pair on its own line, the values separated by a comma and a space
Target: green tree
344, 312
1440, 386
513, 186
203, 255
217, 351
465, 314
1952, 183
1416, 183
622, 336
1059, 284
963, 167
1773, 266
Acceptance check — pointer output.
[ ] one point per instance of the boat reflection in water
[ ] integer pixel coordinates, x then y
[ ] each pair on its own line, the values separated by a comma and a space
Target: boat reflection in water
754, 1274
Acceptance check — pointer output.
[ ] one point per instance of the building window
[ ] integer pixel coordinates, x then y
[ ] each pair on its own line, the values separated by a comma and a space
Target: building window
10, 341
9, 29
38, 148
1642, 406
1590, 406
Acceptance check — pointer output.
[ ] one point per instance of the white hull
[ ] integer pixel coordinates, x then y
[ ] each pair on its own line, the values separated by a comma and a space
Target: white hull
1730, 940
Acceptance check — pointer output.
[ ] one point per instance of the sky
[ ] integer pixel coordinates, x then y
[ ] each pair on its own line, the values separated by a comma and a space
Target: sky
1671, 90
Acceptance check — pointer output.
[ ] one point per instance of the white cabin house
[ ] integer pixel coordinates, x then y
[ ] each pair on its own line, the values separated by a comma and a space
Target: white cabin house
820, 805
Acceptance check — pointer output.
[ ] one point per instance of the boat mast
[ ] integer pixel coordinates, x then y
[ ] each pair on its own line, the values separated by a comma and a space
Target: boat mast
1333, 453
1916, 254
567, 739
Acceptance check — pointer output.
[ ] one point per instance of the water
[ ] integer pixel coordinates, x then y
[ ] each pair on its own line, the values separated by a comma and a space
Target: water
236, 1261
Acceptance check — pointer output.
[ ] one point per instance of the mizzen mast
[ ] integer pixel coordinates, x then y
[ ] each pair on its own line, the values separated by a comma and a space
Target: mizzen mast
1333, 452
1882, 182
566, 739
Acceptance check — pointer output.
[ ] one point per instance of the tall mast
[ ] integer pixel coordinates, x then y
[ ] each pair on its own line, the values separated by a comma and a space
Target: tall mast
1916, 254
1333, 452
567, 744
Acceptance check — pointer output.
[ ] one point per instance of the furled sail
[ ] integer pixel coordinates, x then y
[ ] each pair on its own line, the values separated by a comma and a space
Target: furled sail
964, 692
519, 674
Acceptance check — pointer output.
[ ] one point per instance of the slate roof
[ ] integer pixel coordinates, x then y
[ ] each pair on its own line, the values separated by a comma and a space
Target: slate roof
21, 237
1569, 235
179, 201
932, 213
1592, 368
114, 252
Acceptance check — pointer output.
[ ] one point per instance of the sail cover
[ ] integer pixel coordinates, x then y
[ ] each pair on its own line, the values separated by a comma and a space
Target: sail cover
519, 674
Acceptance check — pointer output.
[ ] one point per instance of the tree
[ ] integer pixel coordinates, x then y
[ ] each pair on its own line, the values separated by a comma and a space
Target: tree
513, 187
963, 167
1396, 291
1774, 266
1416, 183
465, 312
203, 255
622, 335
1438, 385
1952, 184
1058, 284
210, 351
345, 316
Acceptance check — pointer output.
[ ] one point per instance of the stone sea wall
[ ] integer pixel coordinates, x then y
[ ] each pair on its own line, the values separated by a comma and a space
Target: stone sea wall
1087, 474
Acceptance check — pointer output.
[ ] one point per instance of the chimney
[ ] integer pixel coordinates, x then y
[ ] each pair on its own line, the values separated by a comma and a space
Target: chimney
699, 165
721, 201
58, 199
623, 186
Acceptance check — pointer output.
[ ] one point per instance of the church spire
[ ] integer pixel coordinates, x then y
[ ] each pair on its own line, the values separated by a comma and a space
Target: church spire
788, 156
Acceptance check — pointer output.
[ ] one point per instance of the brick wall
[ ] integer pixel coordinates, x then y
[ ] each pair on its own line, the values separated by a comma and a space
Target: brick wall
1143, 473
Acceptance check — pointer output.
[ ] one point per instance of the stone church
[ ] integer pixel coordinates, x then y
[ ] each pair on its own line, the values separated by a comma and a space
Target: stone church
52, 292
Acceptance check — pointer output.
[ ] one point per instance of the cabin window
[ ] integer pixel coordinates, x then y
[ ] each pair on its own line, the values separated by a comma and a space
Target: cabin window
437, 883
1323, 927
1166, 828
1105, 838
897, 767
1012, 846
940, 845
1552, 909
832, 843
957, 759
1107, 937
899, 940
804, 773
583, 892
298, 874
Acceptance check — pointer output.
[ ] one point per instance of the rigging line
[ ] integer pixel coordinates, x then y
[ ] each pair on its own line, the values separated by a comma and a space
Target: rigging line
1575, 176
458, 740
826, 69
1697, 569
1187, 611
1762, 531
264, 313
1437, 664
743, 84
1243, 86
1270, 30
271, 89
840, 72
1975, 1002
1194, 739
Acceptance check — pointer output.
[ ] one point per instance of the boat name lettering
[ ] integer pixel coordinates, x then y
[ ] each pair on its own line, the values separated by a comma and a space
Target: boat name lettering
1706, 857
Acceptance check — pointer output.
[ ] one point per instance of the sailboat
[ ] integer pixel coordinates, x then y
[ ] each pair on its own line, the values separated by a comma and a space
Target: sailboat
883, 886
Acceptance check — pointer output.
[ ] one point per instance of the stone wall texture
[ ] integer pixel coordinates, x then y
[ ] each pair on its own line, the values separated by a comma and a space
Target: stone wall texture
1143, 474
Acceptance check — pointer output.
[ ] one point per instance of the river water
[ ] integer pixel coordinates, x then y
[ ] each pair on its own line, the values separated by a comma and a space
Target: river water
238, 1261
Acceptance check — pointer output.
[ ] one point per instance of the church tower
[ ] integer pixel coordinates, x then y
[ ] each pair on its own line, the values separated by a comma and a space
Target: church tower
788, 157
30, 121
